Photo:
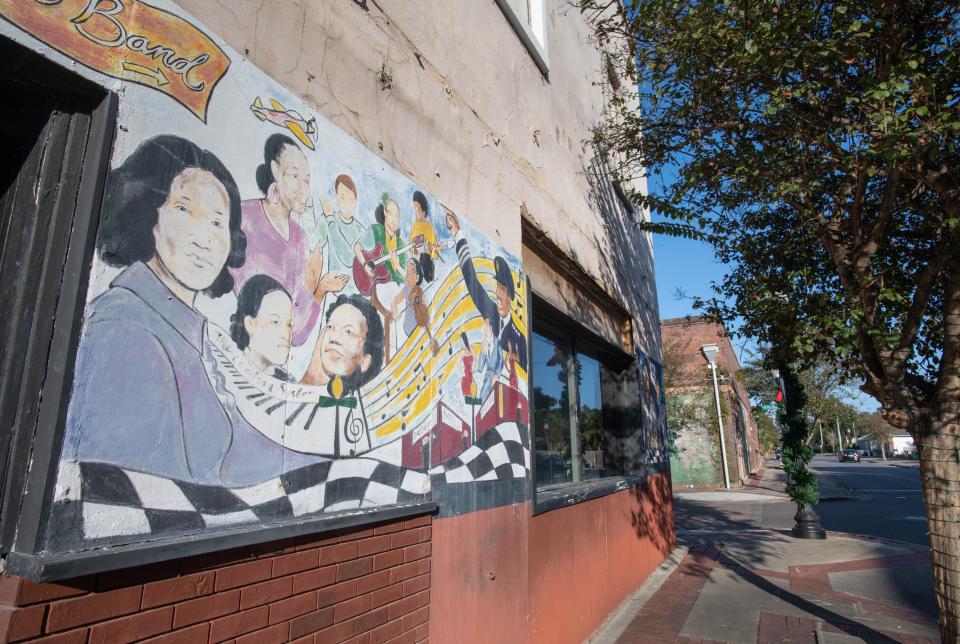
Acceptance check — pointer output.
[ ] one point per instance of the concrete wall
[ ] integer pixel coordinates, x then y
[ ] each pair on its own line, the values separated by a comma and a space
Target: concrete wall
466, 114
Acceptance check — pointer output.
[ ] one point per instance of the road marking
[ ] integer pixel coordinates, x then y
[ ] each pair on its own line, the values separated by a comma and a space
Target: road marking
915, 491
915, 518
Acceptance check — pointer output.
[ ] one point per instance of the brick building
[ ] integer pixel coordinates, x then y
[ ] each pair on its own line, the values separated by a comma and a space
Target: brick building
697, 458
325, 323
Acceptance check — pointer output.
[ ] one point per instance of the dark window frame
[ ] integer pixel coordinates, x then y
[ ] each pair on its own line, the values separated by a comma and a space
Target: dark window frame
544, 316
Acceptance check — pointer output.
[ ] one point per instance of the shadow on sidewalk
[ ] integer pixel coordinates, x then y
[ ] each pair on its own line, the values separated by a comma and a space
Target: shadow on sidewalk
703, 515
841, 623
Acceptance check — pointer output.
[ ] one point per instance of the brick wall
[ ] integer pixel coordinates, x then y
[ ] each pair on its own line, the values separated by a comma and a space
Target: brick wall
363, 586
682, 339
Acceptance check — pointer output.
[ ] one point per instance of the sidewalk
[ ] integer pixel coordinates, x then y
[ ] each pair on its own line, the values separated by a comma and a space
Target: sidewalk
762, 585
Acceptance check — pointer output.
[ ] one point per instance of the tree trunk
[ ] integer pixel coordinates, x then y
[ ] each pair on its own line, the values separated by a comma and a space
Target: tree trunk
883, 450
940, 476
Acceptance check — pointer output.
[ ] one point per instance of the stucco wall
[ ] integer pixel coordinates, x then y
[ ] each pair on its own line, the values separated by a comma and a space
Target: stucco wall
466, 113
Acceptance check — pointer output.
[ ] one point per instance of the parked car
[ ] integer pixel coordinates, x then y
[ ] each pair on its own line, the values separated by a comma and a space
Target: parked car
849, 455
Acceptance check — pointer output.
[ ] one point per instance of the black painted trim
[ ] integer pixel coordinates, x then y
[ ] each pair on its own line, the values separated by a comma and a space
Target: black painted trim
50, 567
567, 495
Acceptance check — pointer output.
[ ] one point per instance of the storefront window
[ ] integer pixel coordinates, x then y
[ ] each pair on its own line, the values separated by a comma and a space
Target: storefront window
551, 398
578, 412
590, 418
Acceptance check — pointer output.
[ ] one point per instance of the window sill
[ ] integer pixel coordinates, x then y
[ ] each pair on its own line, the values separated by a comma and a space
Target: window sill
563, 496
51, 567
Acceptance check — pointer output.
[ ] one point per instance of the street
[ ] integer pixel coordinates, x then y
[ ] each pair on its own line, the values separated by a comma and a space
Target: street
877, 499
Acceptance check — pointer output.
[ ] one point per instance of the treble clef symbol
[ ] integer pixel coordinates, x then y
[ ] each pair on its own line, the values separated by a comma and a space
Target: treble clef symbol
355, 428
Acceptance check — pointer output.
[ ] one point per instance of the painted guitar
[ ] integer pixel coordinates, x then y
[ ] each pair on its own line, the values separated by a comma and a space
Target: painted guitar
365, 283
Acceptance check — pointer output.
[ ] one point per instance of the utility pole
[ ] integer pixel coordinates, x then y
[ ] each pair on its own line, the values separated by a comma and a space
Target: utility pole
839, 436
710, 353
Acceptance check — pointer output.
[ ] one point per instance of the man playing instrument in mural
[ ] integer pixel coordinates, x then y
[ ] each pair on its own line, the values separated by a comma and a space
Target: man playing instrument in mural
277, 244
344, 231
497, 310
381, 274
422, 227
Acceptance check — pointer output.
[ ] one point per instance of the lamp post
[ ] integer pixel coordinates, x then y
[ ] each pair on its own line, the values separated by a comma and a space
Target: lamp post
806, 522
710, 353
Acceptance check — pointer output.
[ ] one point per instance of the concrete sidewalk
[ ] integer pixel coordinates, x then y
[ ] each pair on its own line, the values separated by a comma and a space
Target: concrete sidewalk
728, 584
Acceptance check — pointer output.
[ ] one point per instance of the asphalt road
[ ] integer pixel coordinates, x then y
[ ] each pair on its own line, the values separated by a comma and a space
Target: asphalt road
884, 501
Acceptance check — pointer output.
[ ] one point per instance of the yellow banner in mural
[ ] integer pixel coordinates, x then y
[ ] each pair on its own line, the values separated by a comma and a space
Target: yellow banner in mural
128, 39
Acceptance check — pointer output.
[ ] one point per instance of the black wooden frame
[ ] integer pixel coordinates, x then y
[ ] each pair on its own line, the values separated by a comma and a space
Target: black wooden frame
50, 287
568, 494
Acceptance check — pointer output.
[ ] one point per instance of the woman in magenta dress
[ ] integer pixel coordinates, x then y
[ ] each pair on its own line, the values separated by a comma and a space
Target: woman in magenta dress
276, 244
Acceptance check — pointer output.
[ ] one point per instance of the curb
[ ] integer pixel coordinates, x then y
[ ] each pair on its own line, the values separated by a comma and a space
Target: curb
617, 622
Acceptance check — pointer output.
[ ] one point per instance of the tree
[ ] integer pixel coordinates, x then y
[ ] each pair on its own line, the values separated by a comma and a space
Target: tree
815, 144
822, 385
880, 429
767, 432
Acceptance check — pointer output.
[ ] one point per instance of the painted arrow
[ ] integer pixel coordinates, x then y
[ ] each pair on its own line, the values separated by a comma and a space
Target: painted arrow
156, 74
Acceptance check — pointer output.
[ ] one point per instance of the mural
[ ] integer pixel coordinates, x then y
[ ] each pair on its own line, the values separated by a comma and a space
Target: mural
130, 40
653, 403
278, 324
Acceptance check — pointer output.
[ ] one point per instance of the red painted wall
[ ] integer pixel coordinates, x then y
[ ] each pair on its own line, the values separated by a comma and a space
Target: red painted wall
503, 576
480, 577
585, 559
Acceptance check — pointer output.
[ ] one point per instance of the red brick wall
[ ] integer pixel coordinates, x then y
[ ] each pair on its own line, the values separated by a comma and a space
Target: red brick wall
683, 337
362, 586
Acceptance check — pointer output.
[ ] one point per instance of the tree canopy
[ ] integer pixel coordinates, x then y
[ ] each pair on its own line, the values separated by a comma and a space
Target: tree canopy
815, 145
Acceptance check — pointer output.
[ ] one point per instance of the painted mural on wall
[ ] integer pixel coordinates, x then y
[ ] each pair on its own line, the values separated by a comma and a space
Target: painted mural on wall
653, 405
278, 324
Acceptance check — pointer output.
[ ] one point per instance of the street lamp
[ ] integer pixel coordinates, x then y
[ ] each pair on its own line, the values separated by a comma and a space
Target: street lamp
710, 353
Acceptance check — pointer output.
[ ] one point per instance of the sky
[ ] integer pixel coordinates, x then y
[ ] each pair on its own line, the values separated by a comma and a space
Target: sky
690, 266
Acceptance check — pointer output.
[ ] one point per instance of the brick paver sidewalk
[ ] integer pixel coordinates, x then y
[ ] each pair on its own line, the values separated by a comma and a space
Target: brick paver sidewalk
827, 614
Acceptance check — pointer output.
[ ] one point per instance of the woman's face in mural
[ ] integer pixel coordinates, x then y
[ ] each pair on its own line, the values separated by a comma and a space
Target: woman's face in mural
270, 330
293, 178
391, 216
346, 202
342, 340
192, 234
410, 277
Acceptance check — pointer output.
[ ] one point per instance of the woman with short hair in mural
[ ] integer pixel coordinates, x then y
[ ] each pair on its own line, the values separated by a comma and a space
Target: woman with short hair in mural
350, 345
261, 327
277, 244
141, 397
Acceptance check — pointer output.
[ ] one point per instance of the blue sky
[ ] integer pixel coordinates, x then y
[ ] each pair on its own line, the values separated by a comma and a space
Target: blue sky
690, 266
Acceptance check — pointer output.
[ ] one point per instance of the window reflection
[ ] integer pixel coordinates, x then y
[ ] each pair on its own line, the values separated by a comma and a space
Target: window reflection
551, 400
590, 417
